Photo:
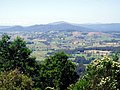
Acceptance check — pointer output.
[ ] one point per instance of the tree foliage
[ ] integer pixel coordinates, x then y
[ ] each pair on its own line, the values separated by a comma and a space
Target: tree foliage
115, 57
58, 72
15, 54
14, 80
100, 75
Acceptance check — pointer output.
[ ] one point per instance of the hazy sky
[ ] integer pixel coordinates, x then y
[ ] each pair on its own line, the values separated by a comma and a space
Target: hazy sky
28, 12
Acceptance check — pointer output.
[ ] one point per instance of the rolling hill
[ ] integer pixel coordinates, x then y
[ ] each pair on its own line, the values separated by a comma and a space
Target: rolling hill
64, 26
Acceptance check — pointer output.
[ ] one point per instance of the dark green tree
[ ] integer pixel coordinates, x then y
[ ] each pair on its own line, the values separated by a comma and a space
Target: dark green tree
58, 72
115, 57
4, 51
15, 54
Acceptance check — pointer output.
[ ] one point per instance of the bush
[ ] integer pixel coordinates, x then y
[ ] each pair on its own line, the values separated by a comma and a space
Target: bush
14, 80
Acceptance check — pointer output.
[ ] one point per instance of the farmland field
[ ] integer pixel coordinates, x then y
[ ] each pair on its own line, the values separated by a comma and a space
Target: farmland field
44, 44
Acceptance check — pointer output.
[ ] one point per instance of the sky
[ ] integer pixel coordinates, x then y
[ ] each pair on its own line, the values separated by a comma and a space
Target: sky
30, 12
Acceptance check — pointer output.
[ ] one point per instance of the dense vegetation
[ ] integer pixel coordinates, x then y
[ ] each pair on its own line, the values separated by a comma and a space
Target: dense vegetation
20, 71
55, 71
101, 74
14, 80
58, 72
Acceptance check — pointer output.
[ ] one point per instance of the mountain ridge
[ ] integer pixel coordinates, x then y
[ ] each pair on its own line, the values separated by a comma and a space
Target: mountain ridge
62, 26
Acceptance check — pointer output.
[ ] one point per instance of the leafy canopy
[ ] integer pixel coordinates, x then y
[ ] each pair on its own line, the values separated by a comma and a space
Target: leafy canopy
15, 54
58, 72
14, 80
101, 74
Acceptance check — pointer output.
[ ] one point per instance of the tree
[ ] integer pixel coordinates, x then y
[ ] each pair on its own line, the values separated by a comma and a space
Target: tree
58, 72
14, 80
80, 69
101, 74
15, 54
4, 51
115, 56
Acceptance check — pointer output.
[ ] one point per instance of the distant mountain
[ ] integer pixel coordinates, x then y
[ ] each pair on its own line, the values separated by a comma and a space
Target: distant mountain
2, 27
48, 27
65, 26
59, 22
12, 28
102, 27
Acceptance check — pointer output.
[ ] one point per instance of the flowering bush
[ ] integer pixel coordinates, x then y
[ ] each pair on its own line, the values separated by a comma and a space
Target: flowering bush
101, 74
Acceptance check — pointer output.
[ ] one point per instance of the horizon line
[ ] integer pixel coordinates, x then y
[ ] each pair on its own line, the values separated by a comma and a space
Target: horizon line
59, 22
